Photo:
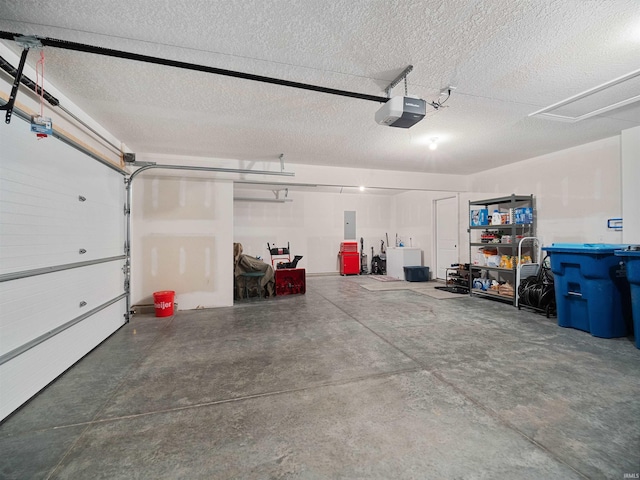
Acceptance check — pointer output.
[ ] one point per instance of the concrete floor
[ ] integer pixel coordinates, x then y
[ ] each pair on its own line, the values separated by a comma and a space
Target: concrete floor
339, 383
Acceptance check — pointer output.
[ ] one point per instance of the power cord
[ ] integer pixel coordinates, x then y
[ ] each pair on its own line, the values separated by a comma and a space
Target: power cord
538, 290
440, 104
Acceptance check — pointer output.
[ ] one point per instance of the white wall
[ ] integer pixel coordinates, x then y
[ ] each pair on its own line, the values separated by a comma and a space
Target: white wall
379, 178
414, 221
575, 191
313, 224
630, 158
320, 175
182, 236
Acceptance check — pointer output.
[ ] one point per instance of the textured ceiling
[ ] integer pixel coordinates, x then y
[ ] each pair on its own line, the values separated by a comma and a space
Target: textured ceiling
507, 59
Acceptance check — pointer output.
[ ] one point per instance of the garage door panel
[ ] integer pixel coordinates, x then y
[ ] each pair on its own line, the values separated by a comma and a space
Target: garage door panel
29, 200
28, 206
31, 219
50, 319
14, 220
25, 178
36, 241
21, 258
71, 172
20, 241
33, 306
34, 206
28, 373
42, 221
14, 259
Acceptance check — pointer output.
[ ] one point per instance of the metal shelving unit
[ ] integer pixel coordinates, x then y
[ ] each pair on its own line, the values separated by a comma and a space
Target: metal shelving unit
513, 229
457, 279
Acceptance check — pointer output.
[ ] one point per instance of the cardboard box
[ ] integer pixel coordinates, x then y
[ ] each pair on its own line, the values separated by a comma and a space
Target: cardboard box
479, 217
523, 215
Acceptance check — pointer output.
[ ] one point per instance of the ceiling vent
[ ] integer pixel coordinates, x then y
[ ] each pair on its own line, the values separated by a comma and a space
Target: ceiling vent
608, 96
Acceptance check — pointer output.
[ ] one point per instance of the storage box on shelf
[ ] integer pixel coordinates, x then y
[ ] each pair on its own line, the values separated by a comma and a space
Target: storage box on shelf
493, 246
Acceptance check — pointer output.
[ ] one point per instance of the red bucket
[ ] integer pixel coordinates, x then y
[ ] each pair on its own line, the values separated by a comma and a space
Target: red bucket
163, 302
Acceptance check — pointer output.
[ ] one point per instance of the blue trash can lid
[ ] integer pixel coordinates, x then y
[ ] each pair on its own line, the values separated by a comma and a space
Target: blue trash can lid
629, 251
597, 248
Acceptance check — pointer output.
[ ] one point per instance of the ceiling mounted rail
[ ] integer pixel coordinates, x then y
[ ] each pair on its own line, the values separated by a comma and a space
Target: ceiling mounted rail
53, 101
72, 142
8, 107
262, 200
108, 52
210, 169
277, 184
27, 82
398, 79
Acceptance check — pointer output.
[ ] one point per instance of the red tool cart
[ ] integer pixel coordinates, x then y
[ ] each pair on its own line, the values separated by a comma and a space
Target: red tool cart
349, 258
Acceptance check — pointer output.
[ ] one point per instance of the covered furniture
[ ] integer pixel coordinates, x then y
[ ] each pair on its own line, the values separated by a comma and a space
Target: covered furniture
251, 284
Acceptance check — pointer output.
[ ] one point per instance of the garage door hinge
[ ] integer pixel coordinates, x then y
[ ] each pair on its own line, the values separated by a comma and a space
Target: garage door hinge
127, 211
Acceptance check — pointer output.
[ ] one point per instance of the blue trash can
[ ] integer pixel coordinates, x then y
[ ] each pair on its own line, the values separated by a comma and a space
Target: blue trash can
631, 258
592, 291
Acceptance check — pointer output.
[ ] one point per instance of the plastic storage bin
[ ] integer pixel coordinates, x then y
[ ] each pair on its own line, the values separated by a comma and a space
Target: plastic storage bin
416, 274
592, 292
631, 258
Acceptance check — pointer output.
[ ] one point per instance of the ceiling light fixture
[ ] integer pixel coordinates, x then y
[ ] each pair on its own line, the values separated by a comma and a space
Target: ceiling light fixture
433, 143
362, 188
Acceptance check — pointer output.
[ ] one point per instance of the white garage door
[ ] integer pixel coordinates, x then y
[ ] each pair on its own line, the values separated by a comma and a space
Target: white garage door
62, 235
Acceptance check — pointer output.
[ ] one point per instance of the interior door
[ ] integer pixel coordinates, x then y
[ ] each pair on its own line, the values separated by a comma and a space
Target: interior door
446, 234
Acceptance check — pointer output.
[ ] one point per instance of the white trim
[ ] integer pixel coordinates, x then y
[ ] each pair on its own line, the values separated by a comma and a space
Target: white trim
543, 111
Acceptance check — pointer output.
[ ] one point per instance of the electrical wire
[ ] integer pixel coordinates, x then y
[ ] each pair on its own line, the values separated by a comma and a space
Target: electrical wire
440, 104
448, 95
538, 290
